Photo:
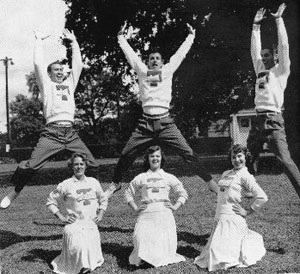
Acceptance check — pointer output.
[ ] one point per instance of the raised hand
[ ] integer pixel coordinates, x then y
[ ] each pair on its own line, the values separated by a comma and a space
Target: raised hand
122, 30
39, 36
259, 16
68, 35
191, 29
280, 11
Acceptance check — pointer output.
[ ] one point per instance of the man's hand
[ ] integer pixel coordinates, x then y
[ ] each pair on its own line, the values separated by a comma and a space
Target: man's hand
141, 208
191, 29
122, 30
39, 36
68, 35
280, 11
259, 16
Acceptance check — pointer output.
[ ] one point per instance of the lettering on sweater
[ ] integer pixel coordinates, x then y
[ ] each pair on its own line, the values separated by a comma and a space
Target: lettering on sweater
153, 77
263, 79
63, 91
85, 195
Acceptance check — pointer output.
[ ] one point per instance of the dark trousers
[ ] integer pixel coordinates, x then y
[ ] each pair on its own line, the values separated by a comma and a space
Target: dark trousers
53, 139
160, 132
269, 128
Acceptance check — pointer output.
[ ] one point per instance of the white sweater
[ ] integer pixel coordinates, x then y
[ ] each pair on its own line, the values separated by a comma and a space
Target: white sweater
155, 88
58, 98
270, 84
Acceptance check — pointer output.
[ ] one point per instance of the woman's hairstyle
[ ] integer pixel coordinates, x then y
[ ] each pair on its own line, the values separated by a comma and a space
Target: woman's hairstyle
237, 148
75, 155
149, 151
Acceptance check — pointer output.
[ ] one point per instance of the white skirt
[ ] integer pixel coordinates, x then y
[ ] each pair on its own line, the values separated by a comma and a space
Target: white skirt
155, 239
81, 247
231, 244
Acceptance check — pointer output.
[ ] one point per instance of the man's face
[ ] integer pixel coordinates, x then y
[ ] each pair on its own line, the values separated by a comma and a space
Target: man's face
155, 61
267, 58
56, 73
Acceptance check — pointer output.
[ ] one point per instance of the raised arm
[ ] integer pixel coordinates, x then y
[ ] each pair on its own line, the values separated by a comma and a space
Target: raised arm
133, 59
40, 68
256, 39
180, 54
283, 43
76, 55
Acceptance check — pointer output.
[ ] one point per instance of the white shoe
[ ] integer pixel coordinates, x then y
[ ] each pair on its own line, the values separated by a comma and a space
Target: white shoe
111, 190
8, 199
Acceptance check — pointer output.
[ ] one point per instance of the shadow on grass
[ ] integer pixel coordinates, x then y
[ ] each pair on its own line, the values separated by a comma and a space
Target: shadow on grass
43, 254
9, 238
192, 238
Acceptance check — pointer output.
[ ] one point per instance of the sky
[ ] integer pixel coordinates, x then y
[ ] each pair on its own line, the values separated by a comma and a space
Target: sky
18, 20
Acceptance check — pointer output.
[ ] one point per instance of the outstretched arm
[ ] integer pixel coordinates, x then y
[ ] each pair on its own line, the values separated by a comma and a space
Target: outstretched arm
283, 44
40, 68
256, 39
131, 56
76, 55
180, 54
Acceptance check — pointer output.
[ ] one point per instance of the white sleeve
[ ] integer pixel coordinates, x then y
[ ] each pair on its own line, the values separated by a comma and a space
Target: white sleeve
133, 59
180, 54
102, 199
260, 196
54, 197
76, 63
256, 47
130, 192
283, 48
178, 188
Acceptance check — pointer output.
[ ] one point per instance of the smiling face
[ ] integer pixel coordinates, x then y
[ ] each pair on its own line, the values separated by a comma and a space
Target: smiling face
56, 73
155, 160
155, 61
267, 58
238, 160
79, 167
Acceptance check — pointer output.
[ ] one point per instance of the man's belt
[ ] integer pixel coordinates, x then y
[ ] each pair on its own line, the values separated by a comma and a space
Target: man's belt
156, 116
266, 113
60, 124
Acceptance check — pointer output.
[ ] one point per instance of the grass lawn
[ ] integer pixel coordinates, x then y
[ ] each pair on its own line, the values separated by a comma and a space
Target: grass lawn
31, 235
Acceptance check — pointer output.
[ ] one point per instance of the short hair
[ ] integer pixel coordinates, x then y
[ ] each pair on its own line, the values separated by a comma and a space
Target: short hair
237, 148
151, 150
76, 155
54, 63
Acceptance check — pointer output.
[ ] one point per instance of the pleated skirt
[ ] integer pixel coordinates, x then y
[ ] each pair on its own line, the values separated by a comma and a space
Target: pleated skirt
81, 248
231, 244
155, 239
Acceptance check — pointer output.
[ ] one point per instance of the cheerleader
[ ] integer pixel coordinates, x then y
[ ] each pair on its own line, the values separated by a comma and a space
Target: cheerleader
232, 243
155, 237
84, 203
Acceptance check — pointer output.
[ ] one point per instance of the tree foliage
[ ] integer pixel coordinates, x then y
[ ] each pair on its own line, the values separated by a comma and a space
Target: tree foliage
215, 80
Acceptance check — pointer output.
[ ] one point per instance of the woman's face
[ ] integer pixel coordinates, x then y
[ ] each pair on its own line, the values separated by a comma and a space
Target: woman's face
155, 160
79, 167
238, 160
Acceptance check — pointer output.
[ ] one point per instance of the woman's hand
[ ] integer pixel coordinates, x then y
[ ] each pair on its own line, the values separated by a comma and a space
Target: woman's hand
171, 206
259, 16
99, 216
239, 210
69, 219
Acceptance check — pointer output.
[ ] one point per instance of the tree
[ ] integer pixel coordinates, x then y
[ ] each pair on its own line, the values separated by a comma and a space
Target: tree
27, 121
217, 77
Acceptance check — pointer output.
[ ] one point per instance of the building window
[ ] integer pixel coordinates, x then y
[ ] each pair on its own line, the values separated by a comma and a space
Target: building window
245, 122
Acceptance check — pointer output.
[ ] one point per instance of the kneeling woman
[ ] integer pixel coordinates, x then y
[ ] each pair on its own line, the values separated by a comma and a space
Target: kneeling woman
155, 237
85, 204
